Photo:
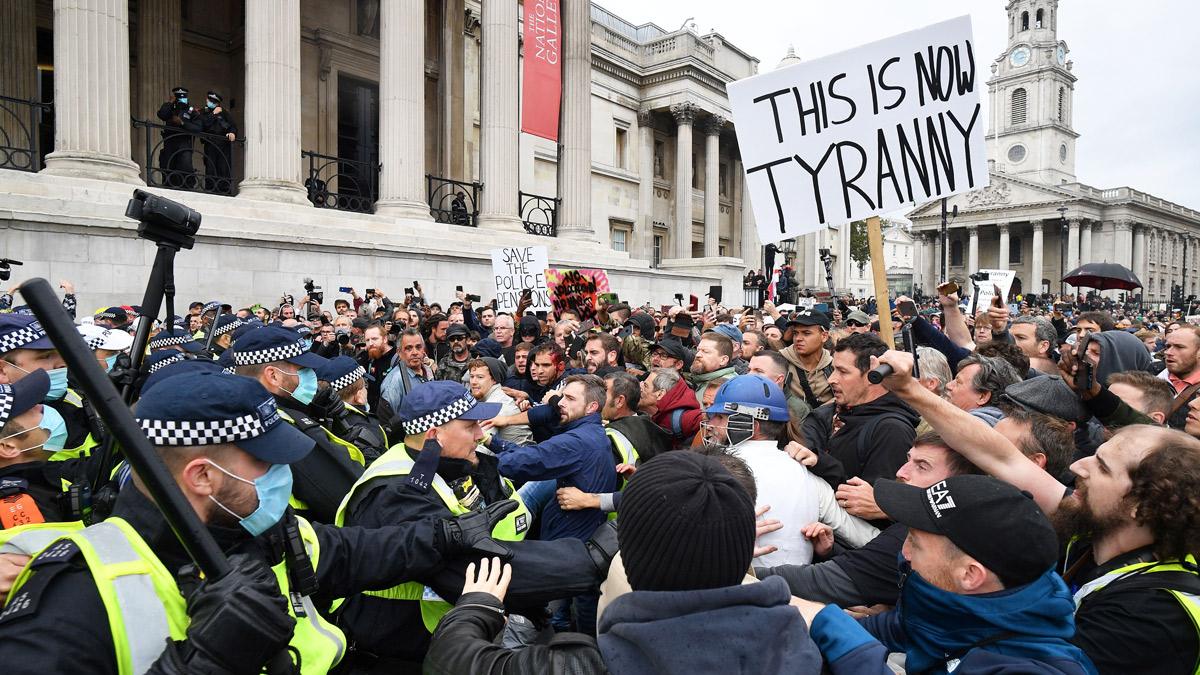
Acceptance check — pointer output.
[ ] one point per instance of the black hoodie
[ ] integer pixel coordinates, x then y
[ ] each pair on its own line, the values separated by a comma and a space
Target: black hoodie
891, 426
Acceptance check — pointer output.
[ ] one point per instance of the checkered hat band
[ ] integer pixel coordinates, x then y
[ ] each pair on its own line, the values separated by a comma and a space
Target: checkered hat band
202, 432
348, 379
229, 371
22, 337
269, 355
439, 417
159, 343
106, 315
227, 328
94, 343
159, 365
6, 402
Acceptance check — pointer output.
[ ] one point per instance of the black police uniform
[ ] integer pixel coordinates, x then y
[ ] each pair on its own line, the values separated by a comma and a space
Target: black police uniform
218, 150
323, 478
393, 631
175, 158
43, 483
61, 625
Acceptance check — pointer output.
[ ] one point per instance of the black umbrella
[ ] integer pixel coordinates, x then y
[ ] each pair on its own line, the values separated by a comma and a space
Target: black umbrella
1103, 276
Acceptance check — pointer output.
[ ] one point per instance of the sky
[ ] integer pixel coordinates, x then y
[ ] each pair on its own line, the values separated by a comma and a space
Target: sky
1137, 101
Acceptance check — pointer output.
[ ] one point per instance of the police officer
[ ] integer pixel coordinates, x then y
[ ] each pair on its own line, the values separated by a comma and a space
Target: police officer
435, 473
223, 333
24, 348
111, 598
175, 158
31, 489
218, 145
277, 358
347, 410
175, 338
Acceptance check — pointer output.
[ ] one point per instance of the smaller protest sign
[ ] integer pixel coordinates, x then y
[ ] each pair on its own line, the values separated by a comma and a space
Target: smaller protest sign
576, 290
516, 269
987, 289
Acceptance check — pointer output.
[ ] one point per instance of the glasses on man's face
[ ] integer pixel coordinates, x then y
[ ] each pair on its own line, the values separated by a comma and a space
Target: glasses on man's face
458, 338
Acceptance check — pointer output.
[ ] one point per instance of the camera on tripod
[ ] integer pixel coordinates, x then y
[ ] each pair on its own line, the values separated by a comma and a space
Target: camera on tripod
824, 253
5, 270
162, 221
981, 276
314, 292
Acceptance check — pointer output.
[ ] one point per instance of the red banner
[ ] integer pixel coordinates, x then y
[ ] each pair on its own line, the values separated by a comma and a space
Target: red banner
543, 69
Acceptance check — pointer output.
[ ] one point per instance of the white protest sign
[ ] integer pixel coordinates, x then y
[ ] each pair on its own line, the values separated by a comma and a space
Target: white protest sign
516, 269
806, 303
862, 132
987, 289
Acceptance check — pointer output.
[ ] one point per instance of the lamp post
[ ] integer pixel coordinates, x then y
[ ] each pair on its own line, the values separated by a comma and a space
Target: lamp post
1062, 250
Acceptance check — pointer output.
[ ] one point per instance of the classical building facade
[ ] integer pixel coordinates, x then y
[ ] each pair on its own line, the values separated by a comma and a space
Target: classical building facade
379, 142
1036, 217
897, 263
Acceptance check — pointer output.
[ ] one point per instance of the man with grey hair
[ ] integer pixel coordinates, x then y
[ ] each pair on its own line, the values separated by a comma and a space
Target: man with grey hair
978, 386
671, 403
1036, 336
935, 375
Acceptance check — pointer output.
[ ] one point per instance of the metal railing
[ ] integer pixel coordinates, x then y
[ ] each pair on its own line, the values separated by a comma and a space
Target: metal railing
173, 161
453, 201
539, 214
20, 132
343, 184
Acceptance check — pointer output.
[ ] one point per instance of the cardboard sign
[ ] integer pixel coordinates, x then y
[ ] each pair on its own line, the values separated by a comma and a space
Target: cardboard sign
987, 289
862, 132
576, 291
516, 269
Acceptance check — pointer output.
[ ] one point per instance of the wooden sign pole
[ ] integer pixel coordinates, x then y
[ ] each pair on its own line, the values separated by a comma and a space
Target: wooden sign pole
879, 272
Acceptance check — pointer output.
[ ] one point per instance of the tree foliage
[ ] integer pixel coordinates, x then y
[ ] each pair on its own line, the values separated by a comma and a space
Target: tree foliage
860, 250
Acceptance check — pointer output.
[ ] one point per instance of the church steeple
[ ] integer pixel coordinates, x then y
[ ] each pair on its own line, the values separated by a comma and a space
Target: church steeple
1031, 90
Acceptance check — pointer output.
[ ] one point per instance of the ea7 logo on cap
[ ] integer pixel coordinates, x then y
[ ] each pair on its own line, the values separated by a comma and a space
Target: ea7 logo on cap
939, 498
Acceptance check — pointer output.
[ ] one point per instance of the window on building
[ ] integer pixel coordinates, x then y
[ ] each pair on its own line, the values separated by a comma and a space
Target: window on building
1038, 19
1019, 97
620, 148
697, 249
862, 271
696, 177
658, 248
723, 180
956, 253
660, 159
1014, 251
723, 248
367, 12
1024, 20
619, 236
1062, 99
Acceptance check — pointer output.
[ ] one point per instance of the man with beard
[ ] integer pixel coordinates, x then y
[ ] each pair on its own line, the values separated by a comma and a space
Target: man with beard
1131, 526
1182, 357
602, 354
711, 366
377, 359
453, 366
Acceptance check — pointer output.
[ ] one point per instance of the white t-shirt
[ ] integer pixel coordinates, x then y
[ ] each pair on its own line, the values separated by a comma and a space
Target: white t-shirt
785, 485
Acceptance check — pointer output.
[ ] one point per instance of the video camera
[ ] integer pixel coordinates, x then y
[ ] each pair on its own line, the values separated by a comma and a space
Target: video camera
981, 276
314, 292
5, 270
162, 221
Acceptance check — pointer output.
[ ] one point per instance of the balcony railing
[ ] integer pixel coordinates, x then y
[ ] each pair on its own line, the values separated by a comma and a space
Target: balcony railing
173, 161
342, 184
539, 214
21, 131
453, 201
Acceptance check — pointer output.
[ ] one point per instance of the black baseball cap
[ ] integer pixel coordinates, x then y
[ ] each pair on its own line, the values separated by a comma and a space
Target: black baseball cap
673, 348
990, 520
809, 317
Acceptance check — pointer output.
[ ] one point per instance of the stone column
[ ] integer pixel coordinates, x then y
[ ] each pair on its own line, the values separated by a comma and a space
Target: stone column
752, 250
18, 78
273, 77
918, 261
1085, 243
453, 90
1002, 262
1073, 244
498, 131
575, 169
160, 39
685, 114
643, 233
712, 189
402, 110
1123, 242
935, 260
1139, 252
1035, 269
91, 91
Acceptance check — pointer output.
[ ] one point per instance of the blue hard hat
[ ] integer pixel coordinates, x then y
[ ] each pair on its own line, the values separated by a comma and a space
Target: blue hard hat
752, 395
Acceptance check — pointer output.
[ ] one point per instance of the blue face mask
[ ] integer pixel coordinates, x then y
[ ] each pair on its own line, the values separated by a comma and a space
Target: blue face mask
110, 362
211, 104
273, 488
183, 99
58, 384
54, 423
307, 389
307, 344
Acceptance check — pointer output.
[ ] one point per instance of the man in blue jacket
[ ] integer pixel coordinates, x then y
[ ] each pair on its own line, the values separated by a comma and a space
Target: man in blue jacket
979, 592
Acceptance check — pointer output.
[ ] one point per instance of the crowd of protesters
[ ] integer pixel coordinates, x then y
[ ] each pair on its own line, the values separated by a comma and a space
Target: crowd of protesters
623, 488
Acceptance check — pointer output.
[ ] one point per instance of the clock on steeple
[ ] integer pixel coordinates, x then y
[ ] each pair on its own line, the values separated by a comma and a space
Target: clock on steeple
1031, 88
